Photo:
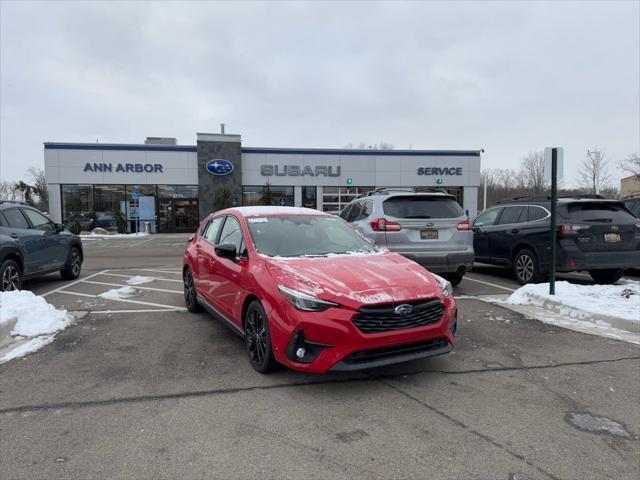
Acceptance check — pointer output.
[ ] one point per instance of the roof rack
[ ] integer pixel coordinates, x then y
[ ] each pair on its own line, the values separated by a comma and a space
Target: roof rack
388, 190
594, 196
526, 198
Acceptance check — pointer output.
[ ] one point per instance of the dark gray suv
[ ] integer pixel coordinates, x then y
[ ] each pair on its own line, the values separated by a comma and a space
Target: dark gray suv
32, 245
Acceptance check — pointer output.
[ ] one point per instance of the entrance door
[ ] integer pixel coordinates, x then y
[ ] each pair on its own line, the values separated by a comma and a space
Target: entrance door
177, 215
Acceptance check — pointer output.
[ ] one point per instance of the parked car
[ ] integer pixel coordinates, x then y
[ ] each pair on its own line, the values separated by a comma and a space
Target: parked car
306, 291
594, 234
32, 245
428, 228
633, 204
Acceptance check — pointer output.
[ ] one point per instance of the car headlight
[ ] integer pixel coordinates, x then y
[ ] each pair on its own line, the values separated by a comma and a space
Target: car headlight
447, 289
304, 301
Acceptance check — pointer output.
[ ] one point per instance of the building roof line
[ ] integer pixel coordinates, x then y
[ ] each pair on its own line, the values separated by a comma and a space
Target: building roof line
266, 150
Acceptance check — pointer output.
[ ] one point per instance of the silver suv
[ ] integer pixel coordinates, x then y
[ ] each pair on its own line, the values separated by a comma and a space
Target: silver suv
428, 228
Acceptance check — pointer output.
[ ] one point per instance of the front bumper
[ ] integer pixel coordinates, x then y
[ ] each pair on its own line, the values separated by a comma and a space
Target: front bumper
338, 345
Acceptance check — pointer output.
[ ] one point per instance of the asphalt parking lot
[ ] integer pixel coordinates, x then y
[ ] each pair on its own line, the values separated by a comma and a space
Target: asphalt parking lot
139, 388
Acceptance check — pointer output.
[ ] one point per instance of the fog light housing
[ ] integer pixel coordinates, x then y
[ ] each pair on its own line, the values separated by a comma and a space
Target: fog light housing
301, 350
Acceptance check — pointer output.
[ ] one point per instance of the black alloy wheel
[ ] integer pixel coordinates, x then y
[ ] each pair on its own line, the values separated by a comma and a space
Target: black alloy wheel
71, 271
525, 267
10, 275
257, 339
190, 296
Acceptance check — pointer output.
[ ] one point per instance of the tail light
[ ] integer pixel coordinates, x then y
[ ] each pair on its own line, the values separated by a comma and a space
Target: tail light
464, 225
571, 229
571, 263
384, 225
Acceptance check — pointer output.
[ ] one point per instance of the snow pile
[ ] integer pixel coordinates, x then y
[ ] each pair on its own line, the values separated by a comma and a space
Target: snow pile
139, 280
120, 293
32, 318
584, 301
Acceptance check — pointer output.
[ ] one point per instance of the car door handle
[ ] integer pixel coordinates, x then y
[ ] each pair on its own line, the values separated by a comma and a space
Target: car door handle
13, 235
515, 231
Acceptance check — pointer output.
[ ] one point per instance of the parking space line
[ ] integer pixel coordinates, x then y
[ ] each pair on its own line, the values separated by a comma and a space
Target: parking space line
124, 300
105, 272
140, 243
75, 282
134, 286
467, 277
159, 271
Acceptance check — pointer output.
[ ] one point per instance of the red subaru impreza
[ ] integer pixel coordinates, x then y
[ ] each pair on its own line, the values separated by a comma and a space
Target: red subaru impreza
306, 291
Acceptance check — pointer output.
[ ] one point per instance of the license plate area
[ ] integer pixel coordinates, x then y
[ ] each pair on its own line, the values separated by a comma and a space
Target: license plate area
611, 237
429, 234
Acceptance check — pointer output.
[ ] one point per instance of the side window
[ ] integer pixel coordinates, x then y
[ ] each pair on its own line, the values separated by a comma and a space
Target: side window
354, 213
511, 215
345, 212
3, 221
487, 218
212, 229
231, 233
15, 219
367, 209
537, 213
38, 221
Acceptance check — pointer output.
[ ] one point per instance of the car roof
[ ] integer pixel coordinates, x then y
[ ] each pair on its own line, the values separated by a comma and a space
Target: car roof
4, 204
267, 211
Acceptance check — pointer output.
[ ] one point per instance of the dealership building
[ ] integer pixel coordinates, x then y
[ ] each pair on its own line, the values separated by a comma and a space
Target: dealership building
174, 186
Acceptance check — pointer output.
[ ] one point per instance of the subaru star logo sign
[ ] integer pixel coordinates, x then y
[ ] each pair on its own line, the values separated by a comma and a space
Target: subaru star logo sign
404, 309
219, 166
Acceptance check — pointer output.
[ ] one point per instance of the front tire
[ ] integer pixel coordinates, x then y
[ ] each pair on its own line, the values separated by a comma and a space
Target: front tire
608, 276
190, 294
10, 276
526, 268
454, 278
71, 270
257, 339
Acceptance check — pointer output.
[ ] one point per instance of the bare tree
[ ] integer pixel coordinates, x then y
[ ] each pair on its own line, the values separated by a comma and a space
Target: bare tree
631, 164
592, 173
39, 188
375, 146
532, 172
10, 191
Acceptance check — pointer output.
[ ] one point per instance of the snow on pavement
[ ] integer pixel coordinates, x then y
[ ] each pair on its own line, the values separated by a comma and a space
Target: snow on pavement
582, 301
120, 293
33, 318
139, 280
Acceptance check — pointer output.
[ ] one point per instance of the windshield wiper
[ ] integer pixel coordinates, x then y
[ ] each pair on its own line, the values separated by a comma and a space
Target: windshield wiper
417, 216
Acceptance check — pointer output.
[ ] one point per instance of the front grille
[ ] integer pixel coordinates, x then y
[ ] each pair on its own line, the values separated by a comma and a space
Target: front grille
384, 319
367, 356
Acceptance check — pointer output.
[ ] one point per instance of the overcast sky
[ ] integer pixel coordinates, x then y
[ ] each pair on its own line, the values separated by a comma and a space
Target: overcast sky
508, 77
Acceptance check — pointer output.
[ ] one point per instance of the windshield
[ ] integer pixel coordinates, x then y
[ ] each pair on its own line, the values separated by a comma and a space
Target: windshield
305, 235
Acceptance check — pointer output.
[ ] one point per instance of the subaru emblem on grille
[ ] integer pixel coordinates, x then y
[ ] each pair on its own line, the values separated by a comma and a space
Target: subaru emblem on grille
404, 309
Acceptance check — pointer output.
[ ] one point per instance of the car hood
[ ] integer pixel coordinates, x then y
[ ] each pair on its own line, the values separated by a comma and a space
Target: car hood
356, 280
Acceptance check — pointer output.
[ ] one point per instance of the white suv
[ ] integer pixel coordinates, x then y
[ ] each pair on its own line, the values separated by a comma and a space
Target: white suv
428, 228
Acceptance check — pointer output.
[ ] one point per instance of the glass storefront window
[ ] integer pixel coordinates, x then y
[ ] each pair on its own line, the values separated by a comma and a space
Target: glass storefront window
110, 208
334, 199
309, 197
178, 191
267, 195
77, 207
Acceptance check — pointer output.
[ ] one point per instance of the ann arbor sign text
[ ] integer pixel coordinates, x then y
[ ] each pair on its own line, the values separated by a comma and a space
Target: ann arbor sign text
298, 171
123, 167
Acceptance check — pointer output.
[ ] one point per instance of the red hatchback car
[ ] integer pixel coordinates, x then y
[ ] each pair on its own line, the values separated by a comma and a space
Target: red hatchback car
306, 291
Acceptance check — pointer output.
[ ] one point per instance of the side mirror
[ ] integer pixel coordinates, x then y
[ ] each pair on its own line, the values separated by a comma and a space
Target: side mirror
226, 250
58, 227
191, 238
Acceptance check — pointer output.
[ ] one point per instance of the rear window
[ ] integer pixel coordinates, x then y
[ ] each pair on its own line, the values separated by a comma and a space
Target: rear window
422, 207
605, 212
